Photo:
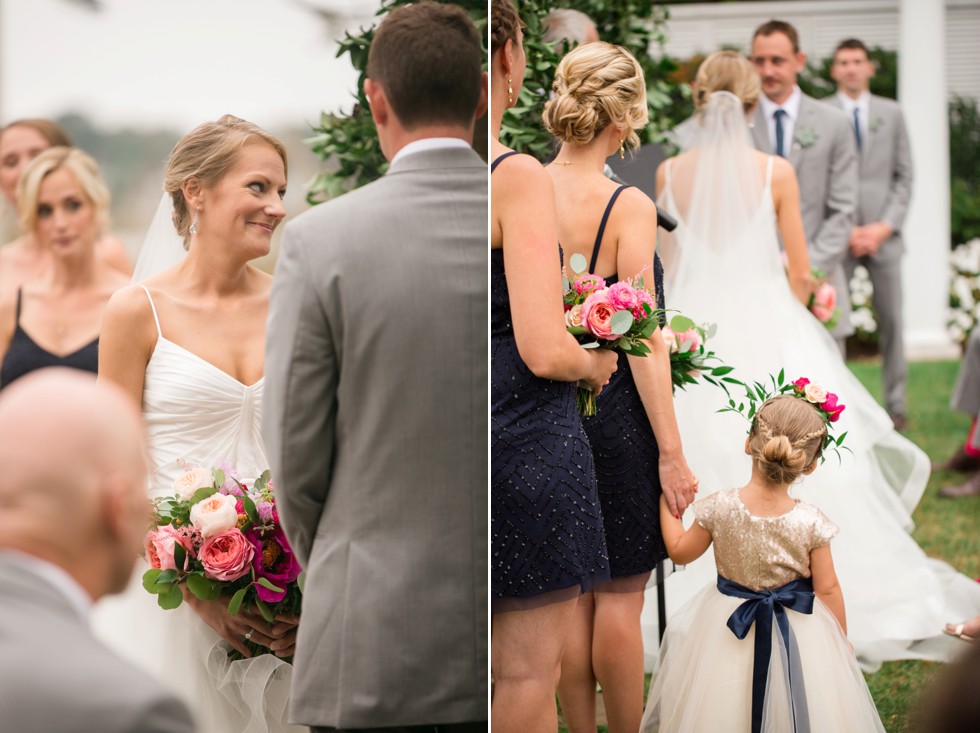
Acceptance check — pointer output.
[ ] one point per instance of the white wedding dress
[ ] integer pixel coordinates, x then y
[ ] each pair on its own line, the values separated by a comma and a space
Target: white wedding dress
195, 412
723, 266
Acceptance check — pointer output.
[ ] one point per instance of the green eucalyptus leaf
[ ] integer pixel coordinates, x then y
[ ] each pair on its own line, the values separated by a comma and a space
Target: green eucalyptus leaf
621, 322
203, 588
301, 581
679, 324
264, 609
591, 345
266, 583
235, 604
250, 511
170, 598
219, 477
150, 579
578, 263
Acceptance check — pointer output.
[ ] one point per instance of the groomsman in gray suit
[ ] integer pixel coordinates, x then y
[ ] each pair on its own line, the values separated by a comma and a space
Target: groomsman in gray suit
885, 174
73, 513
818, 141
376, 403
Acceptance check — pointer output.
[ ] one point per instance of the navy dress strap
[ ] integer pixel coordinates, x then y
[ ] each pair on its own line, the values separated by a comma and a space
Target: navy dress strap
493, 166
17, 312
602, 226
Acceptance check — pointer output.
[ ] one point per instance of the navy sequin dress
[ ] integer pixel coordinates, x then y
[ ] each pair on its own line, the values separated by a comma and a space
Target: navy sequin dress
547, 540
626, 455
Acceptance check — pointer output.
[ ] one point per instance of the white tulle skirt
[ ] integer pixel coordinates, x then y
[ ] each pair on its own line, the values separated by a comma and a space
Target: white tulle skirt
704, 680
897, 598
187, 656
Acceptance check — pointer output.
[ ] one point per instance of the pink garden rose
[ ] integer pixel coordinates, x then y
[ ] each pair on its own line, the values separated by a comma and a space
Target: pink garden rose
623, 296
158, 546
831, 407
588, 284
691, 335
215, 514
642, 296
227, 556
824, 302
597, 312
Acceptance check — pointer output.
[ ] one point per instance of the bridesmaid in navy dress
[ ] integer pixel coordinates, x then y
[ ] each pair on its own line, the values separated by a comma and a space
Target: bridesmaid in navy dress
547, 535
54, 318
599, 102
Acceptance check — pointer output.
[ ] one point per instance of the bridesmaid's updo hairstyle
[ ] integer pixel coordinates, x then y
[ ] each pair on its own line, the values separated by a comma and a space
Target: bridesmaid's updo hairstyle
727, 71
504, 24
597, 84
83, 169
207, 153
52, 132
787, 436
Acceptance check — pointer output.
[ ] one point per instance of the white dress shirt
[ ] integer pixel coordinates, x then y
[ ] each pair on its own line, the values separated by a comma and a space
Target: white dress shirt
430, 143
792, 108
863, 105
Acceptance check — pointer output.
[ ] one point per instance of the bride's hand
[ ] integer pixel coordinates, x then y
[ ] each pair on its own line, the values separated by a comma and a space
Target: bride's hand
230, 628
678, 484
803, 287
284, 635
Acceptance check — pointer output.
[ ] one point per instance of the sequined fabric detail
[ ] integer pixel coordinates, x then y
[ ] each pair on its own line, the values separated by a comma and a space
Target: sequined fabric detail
627, 463
545, 518
762, 552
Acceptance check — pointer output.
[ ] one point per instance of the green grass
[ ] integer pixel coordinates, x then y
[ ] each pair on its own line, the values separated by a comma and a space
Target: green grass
945, 528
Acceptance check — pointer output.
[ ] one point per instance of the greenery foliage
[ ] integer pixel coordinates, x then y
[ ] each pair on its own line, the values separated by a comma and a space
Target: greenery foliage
348, 139
637, 25
964, 161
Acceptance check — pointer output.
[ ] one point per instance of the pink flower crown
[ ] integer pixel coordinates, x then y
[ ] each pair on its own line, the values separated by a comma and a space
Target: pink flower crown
825, 403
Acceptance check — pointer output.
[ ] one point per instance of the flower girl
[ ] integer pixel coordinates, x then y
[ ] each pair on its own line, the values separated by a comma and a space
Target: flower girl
764, 650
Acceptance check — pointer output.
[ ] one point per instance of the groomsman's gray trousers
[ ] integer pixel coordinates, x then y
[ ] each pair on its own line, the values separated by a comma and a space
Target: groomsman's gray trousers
475, 727
966, 393
886, 279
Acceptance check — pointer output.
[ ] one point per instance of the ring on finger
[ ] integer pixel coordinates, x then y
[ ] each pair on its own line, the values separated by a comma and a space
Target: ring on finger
248, 636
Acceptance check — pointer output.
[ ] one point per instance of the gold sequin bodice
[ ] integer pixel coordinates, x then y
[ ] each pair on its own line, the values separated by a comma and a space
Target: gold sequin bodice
762, 552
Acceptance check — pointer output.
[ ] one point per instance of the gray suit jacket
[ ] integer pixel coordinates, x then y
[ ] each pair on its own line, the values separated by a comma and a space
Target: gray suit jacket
376, 429
55, 676
885, 172
824, 156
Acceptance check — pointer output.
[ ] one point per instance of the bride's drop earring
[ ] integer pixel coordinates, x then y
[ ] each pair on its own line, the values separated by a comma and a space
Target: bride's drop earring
510, 90
622, 152
193, 229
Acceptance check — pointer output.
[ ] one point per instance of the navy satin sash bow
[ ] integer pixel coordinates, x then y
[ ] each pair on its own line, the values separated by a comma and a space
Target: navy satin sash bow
759, 608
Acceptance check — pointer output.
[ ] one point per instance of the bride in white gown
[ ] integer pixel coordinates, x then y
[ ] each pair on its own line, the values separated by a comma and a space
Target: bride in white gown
723, 266
188, 344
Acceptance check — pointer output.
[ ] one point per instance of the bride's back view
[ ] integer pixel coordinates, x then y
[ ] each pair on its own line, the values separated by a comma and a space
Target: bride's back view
723, 266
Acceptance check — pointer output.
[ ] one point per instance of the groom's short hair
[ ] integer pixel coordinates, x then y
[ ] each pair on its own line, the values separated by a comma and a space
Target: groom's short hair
428, 59
779, 26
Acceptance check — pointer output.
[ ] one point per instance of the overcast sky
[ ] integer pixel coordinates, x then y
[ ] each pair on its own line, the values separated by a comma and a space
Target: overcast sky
176, 63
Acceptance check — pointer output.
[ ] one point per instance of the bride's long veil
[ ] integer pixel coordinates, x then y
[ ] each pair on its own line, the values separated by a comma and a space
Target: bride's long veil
716, 188
162, 247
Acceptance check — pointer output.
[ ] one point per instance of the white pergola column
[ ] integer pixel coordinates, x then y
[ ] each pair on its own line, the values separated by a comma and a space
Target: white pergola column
922, 94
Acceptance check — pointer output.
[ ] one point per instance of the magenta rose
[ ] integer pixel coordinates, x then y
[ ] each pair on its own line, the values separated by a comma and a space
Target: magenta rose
831, 407
801, 384
623, 296
642, 296
226, 556
597, 312
158, 546
588, 284
273, 559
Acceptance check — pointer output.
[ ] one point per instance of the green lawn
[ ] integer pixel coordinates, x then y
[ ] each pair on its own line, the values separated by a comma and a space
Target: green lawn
945, 528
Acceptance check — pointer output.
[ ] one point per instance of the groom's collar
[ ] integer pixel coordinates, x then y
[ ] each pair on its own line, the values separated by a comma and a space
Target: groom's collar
429, 143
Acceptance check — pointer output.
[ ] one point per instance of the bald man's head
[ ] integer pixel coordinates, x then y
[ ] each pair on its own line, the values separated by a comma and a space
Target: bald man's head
72, 485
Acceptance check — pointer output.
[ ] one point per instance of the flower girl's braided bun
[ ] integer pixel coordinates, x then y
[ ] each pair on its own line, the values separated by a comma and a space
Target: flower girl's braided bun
786, 438
596, 84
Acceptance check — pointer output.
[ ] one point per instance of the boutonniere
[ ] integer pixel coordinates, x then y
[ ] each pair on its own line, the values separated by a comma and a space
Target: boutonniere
874, 124
804, 138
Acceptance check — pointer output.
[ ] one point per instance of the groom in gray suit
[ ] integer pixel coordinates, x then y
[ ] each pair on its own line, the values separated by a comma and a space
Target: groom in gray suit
376, 403
73, 514
817, 140
885, 174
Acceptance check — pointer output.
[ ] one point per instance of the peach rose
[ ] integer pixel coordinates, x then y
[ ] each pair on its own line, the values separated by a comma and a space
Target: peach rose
815, 393
158, 547
573, 317
227, 556
670, 338
215, 514
191, 481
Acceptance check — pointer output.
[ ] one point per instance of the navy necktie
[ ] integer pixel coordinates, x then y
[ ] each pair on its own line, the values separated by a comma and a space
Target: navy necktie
779, 114
857, 129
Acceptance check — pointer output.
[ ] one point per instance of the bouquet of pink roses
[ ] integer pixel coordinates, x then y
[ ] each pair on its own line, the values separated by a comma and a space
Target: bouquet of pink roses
621, 316
823, 301
217, 536
688, 356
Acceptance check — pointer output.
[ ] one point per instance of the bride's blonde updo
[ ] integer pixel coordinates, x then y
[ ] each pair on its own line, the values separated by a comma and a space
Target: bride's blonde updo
596, 84
727, 71
787, 436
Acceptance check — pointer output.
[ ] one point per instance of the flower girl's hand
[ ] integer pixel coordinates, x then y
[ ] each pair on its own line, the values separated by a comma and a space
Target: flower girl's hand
677, 482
